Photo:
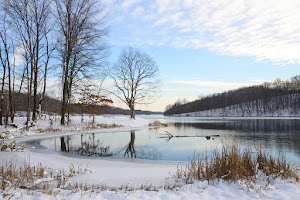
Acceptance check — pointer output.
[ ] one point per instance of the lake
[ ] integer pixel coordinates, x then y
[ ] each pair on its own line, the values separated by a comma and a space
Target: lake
278, 136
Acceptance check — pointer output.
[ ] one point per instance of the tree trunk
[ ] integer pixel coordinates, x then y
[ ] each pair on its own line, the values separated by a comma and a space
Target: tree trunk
65, 91
35, 101
1, 108
35, 82
81, 113
63, 104
132, 113
2, 97
29, 95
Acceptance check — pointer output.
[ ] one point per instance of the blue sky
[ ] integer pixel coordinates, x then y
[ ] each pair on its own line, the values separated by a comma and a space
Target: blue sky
202, 47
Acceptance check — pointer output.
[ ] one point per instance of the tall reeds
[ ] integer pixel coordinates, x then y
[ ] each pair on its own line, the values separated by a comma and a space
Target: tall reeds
232, 163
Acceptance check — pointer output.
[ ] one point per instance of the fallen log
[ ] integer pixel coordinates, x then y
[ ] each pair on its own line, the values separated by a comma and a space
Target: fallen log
168, 136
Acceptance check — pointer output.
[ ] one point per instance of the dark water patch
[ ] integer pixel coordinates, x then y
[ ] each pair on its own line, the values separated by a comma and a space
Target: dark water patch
278, 136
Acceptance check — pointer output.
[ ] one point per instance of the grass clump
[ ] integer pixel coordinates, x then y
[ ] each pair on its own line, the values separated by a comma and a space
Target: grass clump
48, 130
157, 123
12, 146
37, 177
92, 126
233, 164
4, 135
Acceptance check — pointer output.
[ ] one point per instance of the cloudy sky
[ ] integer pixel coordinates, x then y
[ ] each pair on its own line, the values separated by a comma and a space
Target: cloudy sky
208, 46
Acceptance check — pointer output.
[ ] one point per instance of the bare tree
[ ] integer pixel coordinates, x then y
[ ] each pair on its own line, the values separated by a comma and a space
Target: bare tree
81, 47
6, 64
8, 54
135, 76
30, 21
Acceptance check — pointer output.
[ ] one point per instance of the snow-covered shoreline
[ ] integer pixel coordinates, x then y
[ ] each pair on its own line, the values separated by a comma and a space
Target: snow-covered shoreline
130, 173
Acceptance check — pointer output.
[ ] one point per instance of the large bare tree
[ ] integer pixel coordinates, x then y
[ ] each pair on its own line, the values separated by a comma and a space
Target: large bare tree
135, 77
30, 20
82, 45
11, 72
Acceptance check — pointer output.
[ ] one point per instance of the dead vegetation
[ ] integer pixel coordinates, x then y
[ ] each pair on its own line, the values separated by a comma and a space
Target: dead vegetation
48, 130
5, 135
233, 164
4, 146
36, 177
92, 126
157, 124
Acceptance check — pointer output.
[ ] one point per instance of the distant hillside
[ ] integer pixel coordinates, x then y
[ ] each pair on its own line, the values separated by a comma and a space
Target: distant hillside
53, 105
280, 106
279, 98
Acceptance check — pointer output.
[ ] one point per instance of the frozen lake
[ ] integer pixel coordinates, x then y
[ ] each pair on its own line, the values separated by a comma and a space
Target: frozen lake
277, 135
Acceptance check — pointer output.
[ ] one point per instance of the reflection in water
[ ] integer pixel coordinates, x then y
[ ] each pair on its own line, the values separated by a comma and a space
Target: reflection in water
277, 135
130, 151
89, 147
249, 125
63, 144
144, 151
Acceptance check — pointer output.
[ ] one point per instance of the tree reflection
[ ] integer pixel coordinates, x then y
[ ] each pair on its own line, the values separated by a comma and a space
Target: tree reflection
245, 125
65, 144
88, 147
143, 151
130, 151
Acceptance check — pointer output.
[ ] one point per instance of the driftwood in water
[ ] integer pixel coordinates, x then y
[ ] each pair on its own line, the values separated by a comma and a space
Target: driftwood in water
169, 136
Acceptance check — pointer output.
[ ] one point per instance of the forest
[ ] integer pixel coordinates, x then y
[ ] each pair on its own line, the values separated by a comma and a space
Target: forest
65, 42
263, 98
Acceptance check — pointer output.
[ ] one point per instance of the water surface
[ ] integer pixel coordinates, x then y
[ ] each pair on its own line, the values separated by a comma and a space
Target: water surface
277, 135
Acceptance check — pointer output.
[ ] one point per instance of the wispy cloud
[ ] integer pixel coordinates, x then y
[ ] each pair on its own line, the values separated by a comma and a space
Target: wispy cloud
129, 3
268, 29
138, 11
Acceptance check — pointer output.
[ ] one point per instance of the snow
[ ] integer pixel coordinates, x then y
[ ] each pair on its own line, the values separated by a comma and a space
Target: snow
280, 190
117, 174
258, 108
51, 125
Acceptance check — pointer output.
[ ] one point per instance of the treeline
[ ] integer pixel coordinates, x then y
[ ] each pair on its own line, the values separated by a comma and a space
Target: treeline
246, 99
51, 105
65, 39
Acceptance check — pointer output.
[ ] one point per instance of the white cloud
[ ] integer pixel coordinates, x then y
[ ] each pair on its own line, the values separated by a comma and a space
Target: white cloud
17, 57
128, 3
162, 5
268, 29
138, 11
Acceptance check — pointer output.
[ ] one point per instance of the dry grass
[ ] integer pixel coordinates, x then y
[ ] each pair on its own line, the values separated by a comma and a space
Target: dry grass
109, 125
13, 176
232, 164
157, 123
48, 130
36, 177
12, 146
92, 126
4, 135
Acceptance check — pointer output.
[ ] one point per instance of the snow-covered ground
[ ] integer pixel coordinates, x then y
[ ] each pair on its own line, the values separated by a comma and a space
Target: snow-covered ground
126, 173
279, 106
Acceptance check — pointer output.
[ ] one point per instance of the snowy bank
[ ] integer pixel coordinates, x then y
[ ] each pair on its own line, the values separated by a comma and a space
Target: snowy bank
123, 178
51, 125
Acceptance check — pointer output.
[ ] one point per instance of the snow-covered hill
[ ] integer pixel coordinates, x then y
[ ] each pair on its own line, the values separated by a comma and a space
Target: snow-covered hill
279, 106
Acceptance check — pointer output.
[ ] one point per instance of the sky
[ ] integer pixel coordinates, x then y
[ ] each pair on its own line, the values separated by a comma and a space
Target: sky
206, 46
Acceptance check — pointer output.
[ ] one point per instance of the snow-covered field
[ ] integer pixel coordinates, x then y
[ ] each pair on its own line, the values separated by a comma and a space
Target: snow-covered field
118, 178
